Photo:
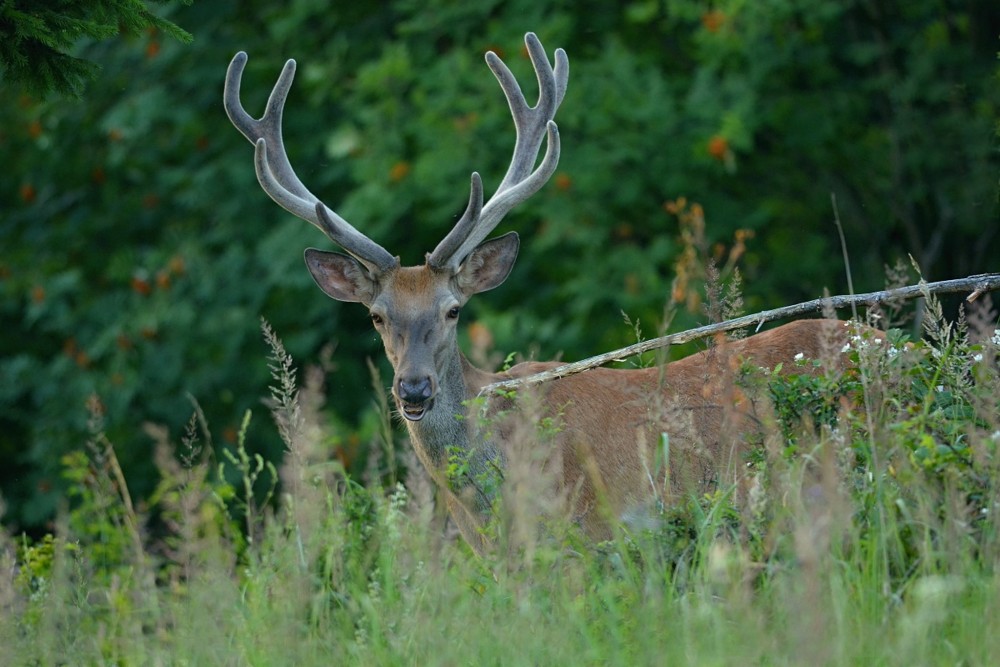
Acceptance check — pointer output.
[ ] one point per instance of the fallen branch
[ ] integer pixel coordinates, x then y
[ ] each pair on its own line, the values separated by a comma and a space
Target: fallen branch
975, 285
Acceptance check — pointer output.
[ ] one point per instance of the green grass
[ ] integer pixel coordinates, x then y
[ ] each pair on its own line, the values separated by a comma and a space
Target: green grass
870, 539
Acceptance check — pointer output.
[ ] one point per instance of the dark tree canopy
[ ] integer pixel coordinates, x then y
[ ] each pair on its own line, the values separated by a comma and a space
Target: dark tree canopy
139, 253
38, 39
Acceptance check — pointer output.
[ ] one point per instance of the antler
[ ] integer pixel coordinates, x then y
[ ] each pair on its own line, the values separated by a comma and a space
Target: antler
275, 173
520, 182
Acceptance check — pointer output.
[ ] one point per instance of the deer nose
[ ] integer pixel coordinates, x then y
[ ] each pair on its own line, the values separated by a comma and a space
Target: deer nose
414, 397
414, 390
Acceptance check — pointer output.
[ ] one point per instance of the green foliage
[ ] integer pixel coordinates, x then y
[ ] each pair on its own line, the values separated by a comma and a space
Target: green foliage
37, 38
248, 469
37, 563
139, 251
849, 550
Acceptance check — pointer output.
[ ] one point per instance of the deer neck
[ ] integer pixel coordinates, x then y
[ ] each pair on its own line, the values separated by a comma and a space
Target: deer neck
449, 435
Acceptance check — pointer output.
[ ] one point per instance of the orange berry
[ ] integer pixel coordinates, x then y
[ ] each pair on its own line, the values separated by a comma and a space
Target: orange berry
28, 193
141, 286
718, 147
82, 359
713, 20
399, 171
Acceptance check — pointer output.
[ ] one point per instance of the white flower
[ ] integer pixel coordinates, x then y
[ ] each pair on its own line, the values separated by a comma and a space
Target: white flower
996, 337
846, 348
977, 357
800, 356
939, 388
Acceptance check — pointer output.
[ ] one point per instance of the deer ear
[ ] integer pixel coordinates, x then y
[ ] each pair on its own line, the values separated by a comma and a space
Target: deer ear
341, 276
488, 265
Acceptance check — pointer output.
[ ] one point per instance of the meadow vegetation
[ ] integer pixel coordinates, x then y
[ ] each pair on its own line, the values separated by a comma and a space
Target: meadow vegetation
868, 536
154, 512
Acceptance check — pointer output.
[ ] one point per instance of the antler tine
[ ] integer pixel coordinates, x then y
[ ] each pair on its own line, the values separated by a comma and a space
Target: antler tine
275, 173
269, 125
450, 243
520, 181
530, 122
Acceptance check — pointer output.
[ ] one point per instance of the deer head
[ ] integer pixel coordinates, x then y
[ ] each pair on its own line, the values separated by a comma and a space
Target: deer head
415, 309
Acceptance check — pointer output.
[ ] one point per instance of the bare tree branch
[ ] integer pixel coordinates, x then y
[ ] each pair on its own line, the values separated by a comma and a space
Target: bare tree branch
975, 285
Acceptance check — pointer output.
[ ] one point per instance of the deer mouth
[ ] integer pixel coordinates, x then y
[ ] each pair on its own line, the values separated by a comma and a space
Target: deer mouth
414, 412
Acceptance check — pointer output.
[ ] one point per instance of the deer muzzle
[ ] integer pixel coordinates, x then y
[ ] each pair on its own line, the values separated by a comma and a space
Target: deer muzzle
415, 397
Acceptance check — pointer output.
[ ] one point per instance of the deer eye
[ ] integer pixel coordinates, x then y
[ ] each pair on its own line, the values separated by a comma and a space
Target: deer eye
453, 313
376, 319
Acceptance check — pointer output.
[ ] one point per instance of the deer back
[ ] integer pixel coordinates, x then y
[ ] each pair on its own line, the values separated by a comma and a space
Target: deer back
628, 438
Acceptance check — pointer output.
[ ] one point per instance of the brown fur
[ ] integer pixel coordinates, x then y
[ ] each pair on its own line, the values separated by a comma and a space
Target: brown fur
611, 420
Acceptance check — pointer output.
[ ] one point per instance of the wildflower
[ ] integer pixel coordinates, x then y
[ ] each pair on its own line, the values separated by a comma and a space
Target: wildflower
799, 357
846, 348
996, 337
978, 357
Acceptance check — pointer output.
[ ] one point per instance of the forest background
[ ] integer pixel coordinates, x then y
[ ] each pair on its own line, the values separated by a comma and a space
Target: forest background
138, 254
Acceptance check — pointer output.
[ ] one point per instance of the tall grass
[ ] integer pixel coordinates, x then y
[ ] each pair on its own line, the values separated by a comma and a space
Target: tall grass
867, 536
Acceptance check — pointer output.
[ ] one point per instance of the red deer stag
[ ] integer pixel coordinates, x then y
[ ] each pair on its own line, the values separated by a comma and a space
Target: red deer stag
607, 419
